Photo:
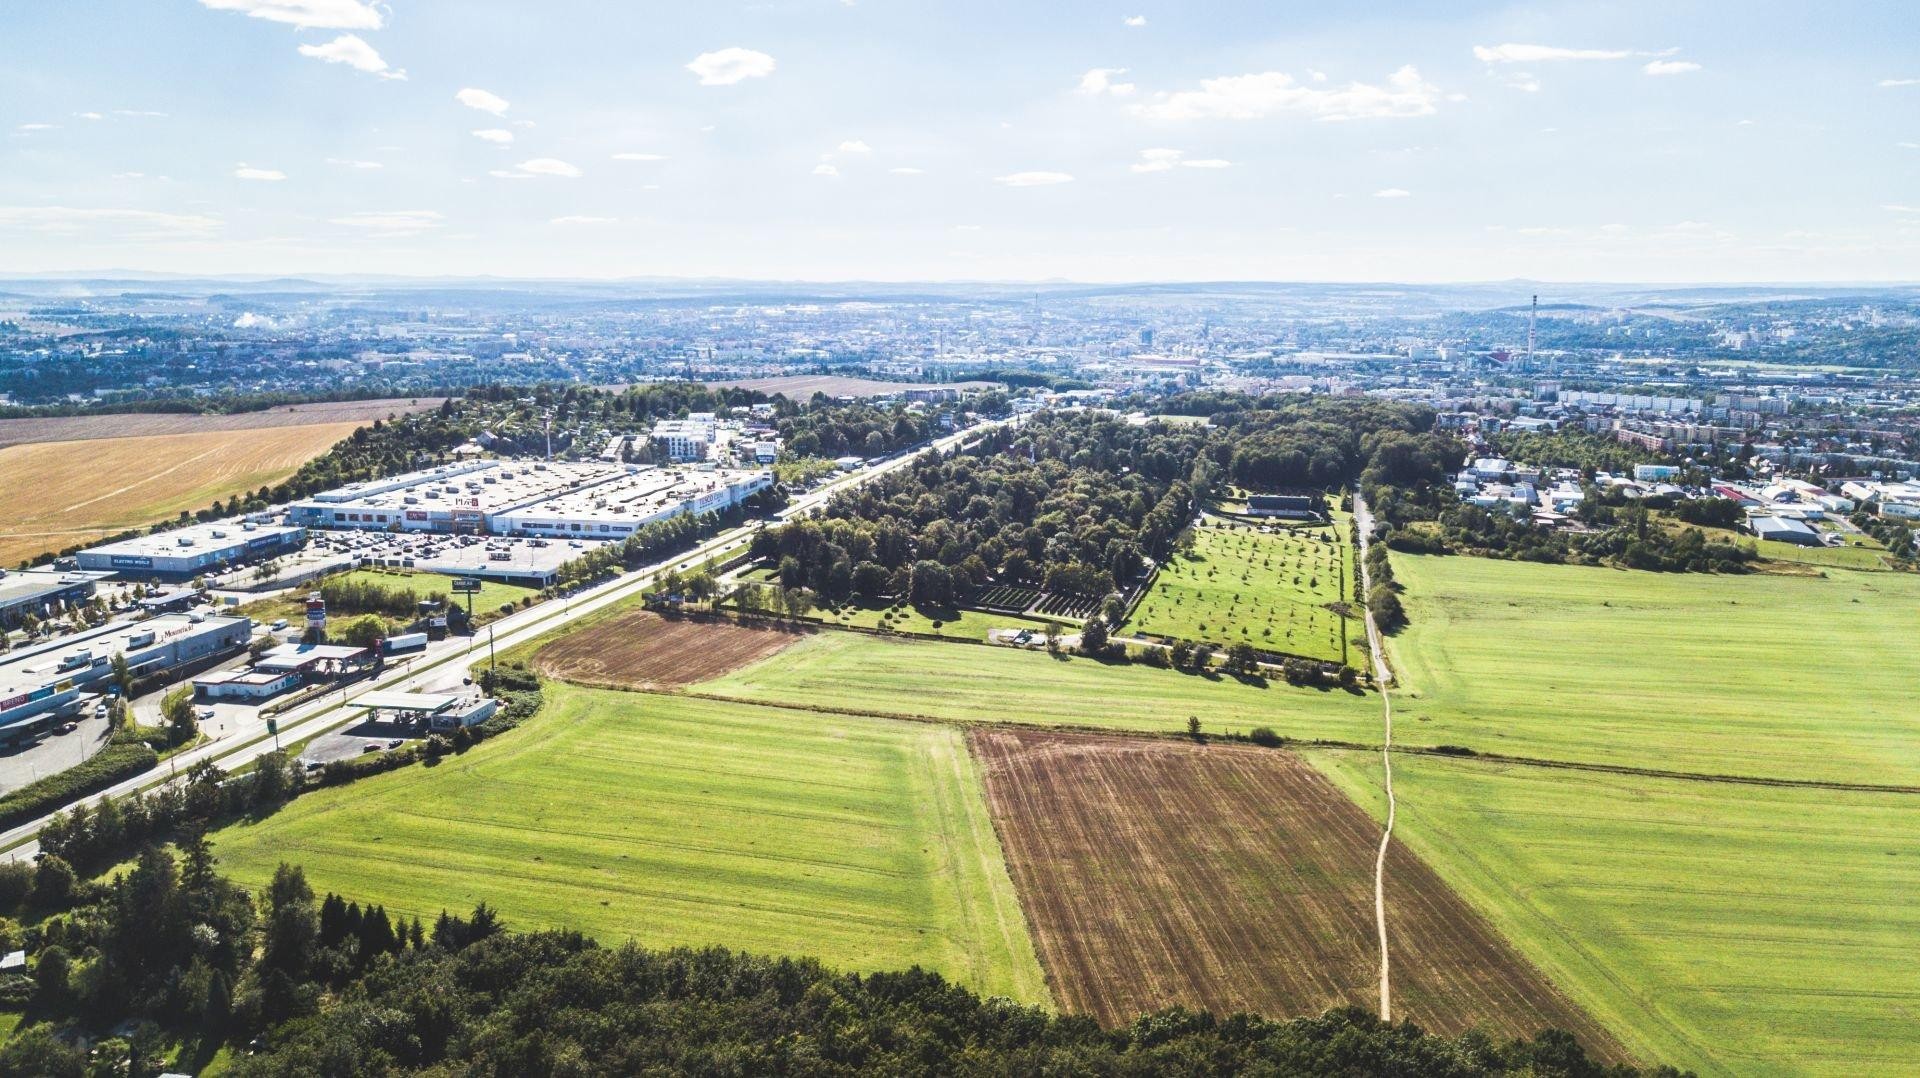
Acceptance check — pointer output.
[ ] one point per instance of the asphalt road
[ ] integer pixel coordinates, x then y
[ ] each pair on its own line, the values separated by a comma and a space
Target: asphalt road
248, 740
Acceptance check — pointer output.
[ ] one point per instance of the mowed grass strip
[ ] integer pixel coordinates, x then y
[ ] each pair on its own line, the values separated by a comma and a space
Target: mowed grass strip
1161, 872
54, 495
1241, 585
1774, 676
671, 821
973, 683
1729, 929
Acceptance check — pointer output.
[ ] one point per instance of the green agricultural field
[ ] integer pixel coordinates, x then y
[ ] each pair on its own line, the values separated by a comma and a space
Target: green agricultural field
1805, 677
967, 683
1859, 552
864, 842
1726, 928
1240, 585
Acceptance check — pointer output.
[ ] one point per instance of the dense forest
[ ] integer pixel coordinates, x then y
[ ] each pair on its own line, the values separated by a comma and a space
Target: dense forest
1074, 501
170, 960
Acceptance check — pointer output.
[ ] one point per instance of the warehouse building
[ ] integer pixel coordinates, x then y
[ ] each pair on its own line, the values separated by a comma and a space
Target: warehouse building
41, 684
456, 499
184, 553
1283, 506
533, 498
1784, 530
39, 592
617, 509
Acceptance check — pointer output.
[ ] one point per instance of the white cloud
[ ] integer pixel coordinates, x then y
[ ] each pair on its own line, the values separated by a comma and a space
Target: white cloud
639, 157
1134, 20
906, 170
497, 135
824, 169
89, 116
352, 50
1099, 81
392, 222
1896, 207
582, 219
1521, 81
1393, 192
549, 166
1252, 97
1033, 179
725, 67
854, 145
1887, 84
245, 171
1540, 54
317, 14
346, 162
122, 223
1670, 67
480, 99
38, 127
1157, 160
1908, 145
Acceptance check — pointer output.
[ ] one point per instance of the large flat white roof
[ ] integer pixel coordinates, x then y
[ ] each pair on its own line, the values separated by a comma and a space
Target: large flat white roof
193, 539
386, 700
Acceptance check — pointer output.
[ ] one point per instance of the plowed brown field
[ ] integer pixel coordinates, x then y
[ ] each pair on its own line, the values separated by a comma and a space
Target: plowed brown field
643, 650
1236, 878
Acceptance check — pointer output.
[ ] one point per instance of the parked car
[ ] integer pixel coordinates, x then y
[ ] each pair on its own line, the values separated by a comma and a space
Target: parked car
396, 742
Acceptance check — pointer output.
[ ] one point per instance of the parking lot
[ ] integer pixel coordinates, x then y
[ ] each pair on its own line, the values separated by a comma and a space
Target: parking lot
518, 560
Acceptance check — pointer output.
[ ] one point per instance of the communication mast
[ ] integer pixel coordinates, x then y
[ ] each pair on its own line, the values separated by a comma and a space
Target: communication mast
1532, 315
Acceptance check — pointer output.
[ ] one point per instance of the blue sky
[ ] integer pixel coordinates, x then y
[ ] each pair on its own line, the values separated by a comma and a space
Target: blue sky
888, 139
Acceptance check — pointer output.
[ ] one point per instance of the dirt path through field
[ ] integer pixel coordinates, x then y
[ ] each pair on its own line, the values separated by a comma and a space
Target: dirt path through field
1363, 526
1157, 871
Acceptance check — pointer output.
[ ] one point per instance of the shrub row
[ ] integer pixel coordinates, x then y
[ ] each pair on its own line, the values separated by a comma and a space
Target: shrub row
112, 764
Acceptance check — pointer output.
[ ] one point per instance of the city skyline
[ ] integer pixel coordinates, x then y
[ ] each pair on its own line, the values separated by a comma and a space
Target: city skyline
828, 141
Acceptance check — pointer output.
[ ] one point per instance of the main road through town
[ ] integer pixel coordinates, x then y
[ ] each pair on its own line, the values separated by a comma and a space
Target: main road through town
443, 658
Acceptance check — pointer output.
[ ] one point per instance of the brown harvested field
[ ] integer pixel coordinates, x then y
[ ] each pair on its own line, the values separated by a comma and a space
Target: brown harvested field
643, 650
148, 424
1235, 878
54, 495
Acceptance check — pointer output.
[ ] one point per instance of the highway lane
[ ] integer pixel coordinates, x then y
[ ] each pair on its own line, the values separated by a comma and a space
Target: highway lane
328, 712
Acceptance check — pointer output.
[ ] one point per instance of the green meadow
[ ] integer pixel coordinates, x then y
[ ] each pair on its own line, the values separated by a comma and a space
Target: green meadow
1804, 677
1724, 928
966, 683
1237, 584
863, 842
